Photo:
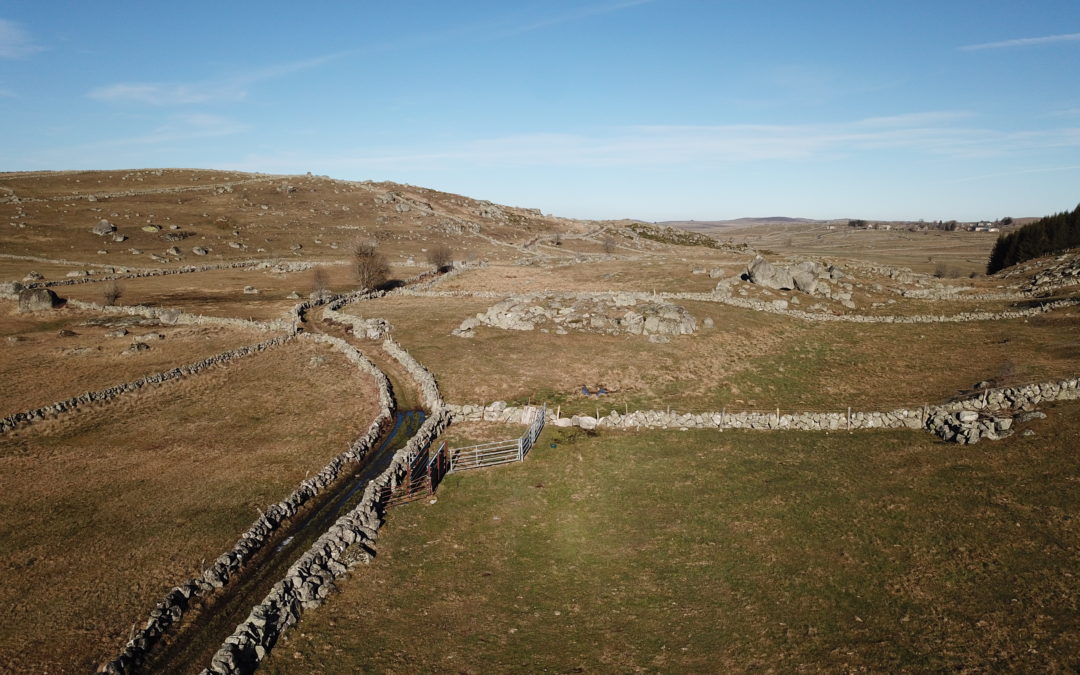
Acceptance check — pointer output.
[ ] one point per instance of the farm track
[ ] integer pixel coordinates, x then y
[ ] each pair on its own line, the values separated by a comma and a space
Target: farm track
190, 648
193, 645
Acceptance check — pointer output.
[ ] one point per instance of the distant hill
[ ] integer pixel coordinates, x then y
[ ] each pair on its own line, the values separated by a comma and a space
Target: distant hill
735, 222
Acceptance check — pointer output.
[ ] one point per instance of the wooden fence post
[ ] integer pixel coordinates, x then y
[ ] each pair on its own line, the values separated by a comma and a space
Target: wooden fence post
849, 418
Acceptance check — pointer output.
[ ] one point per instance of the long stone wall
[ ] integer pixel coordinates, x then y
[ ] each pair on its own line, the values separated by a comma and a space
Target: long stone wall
101, 395
349, 541
310, 579
287, 266
946, 420
172, 608
175, 317
763, 306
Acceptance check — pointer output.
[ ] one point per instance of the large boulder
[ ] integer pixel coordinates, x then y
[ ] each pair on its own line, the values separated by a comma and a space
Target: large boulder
764, 273
37, 299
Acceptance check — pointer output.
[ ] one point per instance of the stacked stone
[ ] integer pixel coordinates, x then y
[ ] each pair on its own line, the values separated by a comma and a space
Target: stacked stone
12, 421
425, 381
175, 317
953, 421
310, 579
968, 426
218, 574
144, 273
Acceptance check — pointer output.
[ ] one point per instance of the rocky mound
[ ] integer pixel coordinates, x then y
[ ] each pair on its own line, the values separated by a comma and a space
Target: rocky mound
618, 314
805, 276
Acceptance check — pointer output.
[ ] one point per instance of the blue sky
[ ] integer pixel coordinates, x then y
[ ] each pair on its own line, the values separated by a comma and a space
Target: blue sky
651, 109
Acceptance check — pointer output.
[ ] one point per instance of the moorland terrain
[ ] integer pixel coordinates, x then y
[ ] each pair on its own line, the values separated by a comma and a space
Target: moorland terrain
838, 459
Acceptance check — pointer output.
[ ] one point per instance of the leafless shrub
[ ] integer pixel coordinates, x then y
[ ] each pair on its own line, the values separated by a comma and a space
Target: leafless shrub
608, 244
319, 282
440, 256
370, 265
112, 292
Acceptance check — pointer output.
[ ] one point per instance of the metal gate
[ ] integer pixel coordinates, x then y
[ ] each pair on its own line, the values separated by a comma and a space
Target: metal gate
422, 477
499, 452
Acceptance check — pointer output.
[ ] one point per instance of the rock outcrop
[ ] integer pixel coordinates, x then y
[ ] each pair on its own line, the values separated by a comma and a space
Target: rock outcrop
614, 314
37, 299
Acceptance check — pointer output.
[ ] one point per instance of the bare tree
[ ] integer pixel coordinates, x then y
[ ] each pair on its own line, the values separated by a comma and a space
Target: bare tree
608, 244
320, 284
440, 256
370, 265
111, 293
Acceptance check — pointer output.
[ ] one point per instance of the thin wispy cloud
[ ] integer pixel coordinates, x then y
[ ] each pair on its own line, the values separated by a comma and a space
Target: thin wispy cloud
15, 42
163, 94
172, 129
1018, 172
573, 15
229, 89
932, 134
1023, 42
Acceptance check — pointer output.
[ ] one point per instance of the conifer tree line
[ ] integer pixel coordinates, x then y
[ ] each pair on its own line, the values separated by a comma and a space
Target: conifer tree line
1046, 235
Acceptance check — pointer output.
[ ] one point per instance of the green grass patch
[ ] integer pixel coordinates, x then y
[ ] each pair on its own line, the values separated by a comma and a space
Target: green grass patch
707, 552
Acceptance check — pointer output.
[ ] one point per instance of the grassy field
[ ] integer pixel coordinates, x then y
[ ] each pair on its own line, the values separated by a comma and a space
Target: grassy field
103, 510
714, 552
955, 253
749, 359
38, 366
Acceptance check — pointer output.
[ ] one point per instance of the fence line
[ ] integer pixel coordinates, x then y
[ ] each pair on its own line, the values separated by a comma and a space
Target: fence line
499, 452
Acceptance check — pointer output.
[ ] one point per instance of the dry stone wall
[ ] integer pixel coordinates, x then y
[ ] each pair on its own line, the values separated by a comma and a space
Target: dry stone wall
174, 317
983, 416
310, 579
781, 309
122, 273
109, 393
172, 608
349, 541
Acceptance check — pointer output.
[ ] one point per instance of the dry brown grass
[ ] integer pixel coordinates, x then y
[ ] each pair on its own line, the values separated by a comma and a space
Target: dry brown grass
963, 252
647, 275
750, 359
316, 213
39, 367
102, 510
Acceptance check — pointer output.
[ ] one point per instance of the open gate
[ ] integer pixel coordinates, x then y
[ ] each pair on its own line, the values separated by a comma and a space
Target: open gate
422, 477
428, 468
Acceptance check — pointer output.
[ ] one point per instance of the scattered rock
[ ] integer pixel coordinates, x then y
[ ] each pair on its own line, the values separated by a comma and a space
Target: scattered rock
65, 333
103, 228
251, 290
199, 250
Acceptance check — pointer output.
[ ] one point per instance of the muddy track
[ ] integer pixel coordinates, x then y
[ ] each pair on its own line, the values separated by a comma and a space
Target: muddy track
190, 648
